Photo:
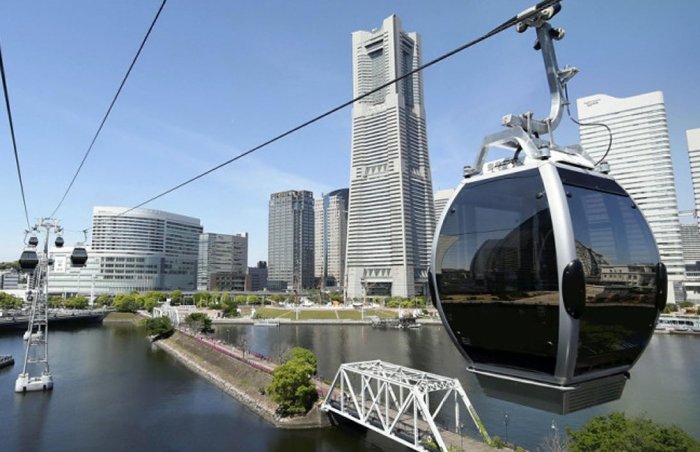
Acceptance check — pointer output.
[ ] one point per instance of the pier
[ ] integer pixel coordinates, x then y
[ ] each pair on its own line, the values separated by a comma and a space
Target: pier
21, 321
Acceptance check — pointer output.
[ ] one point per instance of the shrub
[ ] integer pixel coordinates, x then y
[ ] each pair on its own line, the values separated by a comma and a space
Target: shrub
200, 322
159, 327
615, 432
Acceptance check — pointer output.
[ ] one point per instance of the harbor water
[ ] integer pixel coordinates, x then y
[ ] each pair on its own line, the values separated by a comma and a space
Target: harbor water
114, 391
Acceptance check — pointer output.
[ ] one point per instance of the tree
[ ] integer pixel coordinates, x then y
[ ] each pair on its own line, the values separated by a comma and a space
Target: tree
10, 265
79, 302
55, 302
125, 302
176, 297
199, 322
302, 354
159, 327
230, 306
9, 301
103, 300
615, 432
240, 299
201, 299
253, 299
671, 307
292, 389
149, 304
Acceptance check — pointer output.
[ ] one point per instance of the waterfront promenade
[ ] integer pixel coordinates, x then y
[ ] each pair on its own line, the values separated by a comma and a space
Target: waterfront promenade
241, 374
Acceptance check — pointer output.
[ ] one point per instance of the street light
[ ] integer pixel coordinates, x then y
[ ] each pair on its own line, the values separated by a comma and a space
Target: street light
506, 419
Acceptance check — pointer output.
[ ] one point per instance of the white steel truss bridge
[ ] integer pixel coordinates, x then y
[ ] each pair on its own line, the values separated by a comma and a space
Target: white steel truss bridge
395, 401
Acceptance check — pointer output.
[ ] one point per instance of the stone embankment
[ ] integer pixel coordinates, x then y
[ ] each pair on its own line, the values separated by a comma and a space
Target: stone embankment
245, 378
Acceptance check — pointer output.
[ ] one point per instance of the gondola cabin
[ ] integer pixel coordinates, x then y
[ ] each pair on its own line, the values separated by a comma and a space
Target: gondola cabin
547, 276
78, 257
29, 260
544, 270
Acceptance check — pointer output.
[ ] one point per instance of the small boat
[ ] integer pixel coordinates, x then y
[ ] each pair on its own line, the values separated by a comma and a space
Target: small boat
6, 360
678, 324
267, 322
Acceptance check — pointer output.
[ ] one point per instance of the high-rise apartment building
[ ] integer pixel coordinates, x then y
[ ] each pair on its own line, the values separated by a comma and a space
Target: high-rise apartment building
9, 280
690, 233
440, 200
140, 249
390, 215
693, 137
640, 160
291, 240
256, 278
331, 212
221, 253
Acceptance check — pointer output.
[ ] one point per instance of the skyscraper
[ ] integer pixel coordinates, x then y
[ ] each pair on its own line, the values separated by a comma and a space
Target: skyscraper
440, 200
291, 240
331, 211
390, 217
640, 160
221, 253
693, 136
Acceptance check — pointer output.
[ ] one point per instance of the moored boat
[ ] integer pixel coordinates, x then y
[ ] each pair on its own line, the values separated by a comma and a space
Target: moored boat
267, 322
6, 360
678, 324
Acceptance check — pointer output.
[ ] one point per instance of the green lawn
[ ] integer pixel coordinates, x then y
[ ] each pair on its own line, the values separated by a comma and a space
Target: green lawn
350, 315
273, 313
381, 313
321, 314
317, 314
121, 317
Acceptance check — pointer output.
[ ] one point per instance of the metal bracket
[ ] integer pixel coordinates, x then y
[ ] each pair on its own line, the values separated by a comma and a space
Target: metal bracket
556, 78
514, 139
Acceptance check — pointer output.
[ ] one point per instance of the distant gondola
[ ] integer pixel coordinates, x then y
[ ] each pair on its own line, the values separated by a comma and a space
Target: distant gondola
78, 257
544, 271
28, 260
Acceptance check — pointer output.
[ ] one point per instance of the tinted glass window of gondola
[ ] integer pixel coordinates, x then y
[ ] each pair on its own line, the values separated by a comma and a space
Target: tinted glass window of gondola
496, 270
618, 253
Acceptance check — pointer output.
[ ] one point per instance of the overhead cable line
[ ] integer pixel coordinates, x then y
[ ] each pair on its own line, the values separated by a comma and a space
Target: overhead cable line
504, 26
14, 141
109, 110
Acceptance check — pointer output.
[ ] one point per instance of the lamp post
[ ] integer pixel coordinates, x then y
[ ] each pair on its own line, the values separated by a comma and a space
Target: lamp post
506, 419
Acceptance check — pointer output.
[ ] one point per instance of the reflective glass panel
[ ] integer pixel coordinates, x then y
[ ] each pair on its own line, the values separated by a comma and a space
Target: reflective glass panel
619, 257
496, 272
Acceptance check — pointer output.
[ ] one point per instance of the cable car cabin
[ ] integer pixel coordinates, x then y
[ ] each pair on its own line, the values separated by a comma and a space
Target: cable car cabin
547, 277
29, 260
78, 257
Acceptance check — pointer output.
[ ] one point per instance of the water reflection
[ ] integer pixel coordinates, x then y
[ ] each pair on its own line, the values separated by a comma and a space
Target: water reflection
431, 350
114, 392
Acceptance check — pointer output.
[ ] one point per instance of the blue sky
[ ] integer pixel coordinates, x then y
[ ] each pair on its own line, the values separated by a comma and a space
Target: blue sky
217, 78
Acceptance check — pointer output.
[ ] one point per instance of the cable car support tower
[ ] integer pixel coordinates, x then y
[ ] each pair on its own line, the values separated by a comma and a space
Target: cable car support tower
36, 265
36, 355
